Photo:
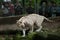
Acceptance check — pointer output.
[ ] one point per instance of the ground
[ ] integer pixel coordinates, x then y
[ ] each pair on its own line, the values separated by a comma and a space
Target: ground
10, 24
53, 27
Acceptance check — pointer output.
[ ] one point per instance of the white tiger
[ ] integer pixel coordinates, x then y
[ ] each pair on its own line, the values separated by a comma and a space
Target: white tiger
28, 22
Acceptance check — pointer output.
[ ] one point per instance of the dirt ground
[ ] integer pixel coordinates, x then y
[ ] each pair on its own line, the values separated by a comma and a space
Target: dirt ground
45, 24
52, 25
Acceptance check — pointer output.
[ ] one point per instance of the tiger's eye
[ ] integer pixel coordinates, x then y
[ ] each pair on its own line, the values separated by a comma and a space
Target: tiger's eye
20, 22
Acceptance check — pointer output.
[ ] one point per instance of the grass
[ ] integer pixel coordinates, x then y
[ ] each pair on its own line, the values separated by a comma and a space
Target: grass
45, 34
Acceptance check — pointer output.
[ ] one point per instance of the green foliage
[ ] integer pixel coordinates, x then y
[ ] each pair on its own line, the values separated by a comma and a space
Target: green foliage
31, 35
0, 38
1, 0
43, 34
34, 35
18, 37
1, 12
7, 38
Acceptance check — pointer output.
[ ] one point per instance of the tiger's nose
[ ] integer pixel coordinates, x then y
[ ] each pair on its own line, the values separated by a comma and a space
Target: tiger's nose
23, 26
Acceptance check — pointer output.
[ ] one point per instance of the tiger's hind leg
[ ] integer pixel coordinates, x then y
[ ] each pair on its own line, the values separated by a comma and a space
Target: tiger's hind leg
39, 29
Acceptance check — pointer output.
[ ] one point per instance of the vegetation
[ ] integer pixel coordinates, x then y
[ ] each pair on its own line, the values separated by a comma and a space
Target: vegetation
43, 35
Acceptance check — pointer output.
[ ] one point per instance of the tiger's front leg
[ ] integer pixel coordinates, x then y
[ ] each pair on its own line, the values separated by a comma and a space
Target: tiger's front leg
31, 29
24, 33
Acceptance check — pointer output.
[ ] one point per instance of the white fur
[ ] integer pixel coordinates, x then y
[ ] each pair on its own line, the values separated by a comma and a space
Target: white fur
29, 20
